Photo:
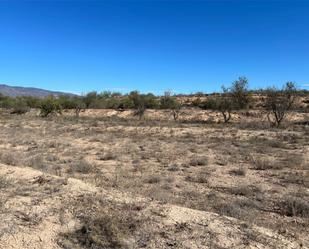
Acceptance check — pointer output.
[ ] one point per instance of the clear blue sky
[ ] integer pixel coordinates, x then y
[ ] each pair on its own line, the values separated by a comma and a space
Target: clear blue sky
183, 46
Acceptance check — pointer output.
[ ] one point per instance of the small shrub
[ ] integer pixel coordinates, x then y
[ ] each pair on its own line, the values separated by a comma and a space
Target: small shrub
139, 112
223, 104
9, 159
221, 160
103, 226
294, 206
199, 161
231, 209
82, 167
169, 102
209, 104
104, 232
300, 178
51, 158
238, 172
275, 143
239, 92
153, 179
20, 109
294, 161
262, 164
252, 125
200, 178
49, 106
239, 209
245, 190
36, 161
279, 102
265, 142
266, 164
141, 102
4, 182
173, 167
107, 156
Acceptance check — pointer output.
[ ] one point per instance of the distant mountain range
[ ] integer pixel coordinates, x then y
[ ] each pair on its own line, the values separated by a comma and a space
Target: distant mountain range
14, 91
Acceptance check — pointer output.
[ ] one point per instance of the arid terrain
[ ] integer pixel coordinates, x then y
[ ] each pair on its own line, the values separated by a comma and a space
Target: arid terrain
109, 180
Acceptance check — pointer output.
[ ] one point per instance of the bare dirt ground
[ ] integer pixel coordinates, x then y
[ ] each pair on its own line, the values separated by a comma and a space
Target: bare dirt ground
107, 180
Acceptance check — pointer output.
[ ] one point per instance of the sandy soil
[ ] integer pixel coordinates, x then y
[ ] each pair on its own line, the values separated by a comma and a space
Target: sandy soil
66, 183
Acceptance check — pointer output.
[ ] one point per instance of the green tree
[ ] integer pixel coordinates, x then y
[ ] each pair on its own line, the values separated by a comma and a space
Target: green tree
6, 102
279, 102
90, 98
150, 101
49, 105
139, 105
20, 106
79, 105
239, 93
222, 103
32, 102
125, 103
225, 105
167, 101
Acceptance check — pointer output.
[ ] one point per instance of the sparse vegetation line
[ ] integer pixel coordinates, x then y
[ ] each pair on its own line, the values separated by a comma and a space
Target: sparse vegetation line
276, 102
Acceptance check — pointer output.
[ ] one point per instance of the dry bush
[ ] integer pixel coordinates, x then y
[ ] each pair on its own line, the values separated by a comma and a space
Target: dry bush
265, 142
103, 231
51, 158
81, 166
37, 162
300, 178
294, 206
4, 182
103, 224
29, 218
279, 102
291, 138
153, 179
274, 143
222, 160
263, 164
290, 161
252, 125
107, 156
240, 209
173, 167
294, 161
198, 161
245, 190
201, 177
306, 131
9, 158
238, 172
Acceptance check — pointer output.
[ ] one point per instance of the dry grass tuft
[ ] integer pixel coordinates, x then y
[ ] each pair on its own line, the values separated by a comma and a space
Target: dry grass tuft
245, 190
4, 182
82, 167
153, 179
199, 161
263, 164
238, 172
9, 158
103, 224
240, 209
107, 156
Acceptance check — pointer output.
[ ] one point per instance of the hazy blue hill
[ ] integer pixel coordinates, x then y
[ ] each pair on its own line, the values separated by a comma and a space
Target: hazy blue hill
14, 91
